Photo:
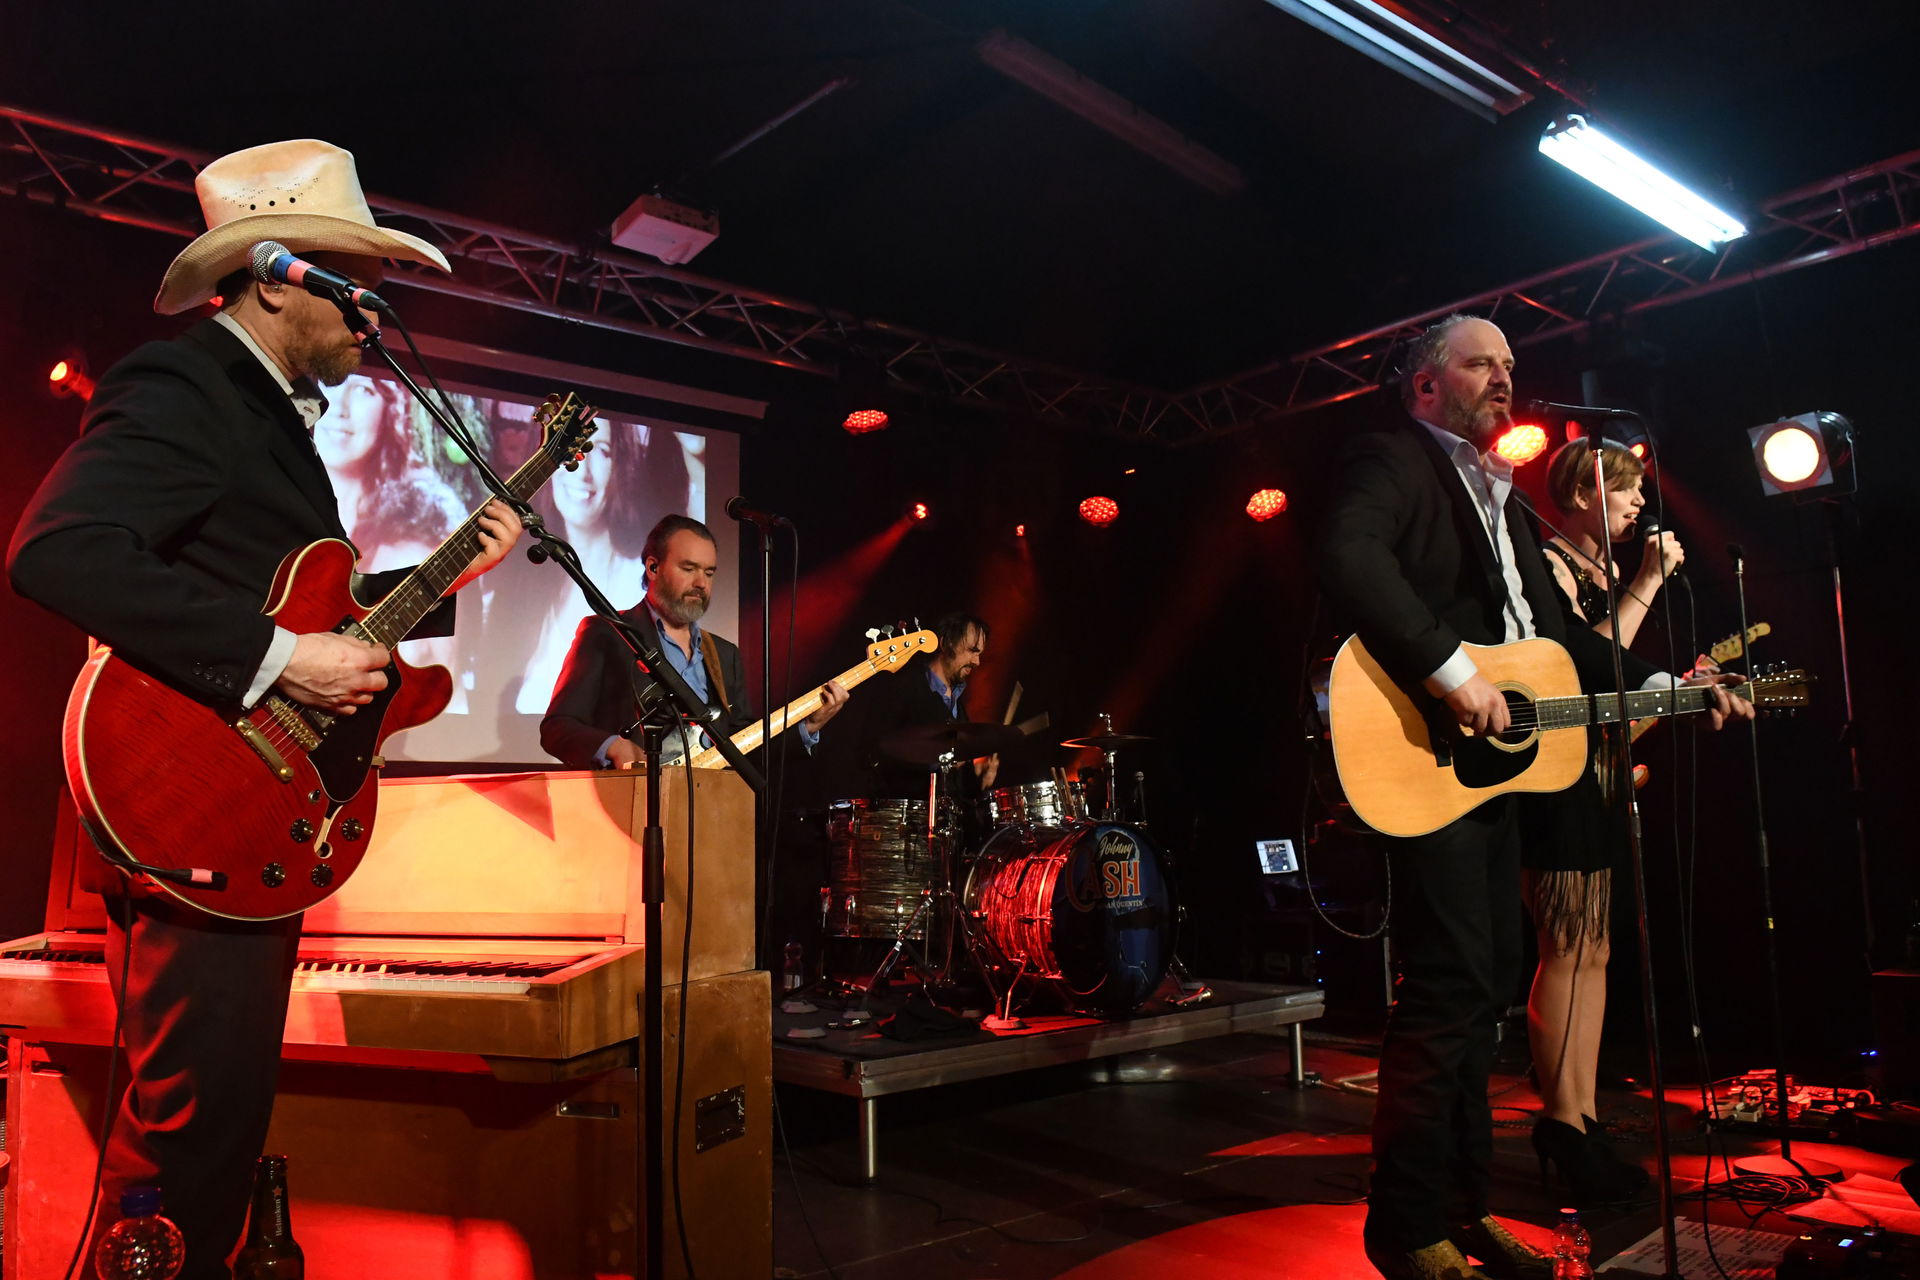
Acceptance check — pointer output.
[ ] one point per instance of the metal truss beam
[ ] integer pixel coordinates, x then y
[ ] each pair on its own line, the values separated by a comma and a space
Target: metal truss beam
121, 178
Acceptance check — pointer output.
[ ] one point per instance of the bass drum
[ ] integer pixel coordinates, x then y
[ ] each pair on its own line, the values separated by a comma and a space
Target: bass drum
1087, 906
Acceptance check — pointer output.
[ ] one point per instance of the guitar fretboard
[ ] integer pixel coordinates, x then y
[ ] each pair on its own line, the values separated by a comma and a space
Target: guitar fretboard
1605, 708
401, 610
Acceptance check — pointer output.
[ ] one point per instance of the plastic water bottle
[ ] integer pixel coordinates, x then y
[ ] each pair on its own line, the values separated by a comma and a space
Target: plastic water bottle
142, 1245
1572, 1248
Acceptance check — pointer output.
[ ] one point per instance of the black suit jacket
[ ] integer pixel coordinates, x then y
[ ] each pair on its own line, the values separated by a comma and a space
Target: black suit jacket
1404, 557
882, 706
594, 697
159, 531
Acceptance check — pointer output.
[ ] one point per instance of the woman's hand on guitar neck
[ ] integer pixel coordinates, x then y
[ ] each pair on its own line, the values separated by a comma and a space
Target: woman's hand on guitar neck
1478, 707
334, 672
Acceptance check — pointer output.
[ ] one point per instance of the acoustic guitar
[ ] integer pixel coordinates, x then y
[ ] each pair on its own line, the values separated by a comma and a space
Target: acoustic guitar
1406, 769
263, 814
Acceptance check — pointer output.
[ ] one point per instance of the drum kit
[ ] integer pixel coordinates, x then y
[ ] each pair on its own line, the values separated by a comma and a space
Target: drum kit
1052, 892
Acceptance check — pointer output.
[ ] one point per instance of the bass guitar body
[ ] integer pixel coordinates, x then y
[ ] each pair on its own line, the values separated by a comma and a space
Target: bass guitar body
280, 801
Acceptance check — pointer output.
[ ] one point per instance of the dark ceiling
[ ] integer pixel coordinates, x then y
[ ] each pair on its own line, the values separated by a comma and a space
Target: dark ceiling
936, 193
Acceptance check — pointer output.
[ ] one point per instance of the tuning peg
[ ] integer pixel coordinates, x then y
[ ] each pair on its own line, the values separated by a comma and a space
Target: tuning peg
873, 635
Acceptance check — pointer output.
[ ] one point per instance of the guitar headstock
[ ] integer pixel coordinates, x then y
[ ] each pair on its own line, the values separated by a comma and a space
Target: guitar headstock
566, 427
889, 650
1736, 644
1779, 689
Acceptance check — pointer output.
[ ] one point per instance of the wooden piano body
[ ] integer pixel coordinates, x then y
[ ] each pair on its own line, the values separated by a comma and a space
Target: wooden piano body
458, 1092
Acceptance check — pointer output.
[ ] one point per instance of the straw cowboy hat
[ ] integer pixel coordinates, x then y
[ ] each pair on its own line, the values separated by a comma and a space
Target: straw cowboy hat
304, 194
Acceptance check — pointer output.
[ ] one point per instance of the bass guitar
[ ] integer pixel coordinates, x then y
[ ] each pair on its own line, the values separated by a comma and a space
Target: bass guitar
886, 653
264, 814
1406, 769
1720, 654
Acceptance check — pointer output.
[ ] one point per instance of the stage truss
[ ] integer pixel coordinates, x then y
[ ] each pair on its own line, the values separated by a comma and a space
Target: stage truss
122, 178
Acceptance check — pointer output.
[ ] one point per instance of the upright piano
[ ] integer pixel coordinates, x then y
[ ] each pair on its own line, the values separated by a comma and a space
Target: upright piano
458, 1092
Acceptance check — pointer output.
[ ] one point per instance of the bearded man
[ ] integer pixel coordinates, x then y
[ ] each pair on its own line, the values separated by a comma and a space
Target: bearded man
593, 721
1425, 546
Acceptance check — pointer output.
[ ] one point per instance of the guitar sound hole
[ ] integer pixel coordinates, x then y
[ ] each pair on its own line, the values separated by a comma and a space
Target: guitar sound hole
1520, 716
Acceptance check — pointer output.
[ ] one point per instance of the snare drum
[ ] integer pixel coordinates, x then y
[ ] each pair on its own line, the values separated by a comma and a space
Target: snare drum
1087, 907
880, 864
1044, 804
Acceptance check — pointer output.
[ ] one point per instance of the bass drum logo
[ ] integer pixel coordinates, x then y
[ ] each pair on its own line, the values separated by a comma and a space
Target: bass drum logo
1106, 871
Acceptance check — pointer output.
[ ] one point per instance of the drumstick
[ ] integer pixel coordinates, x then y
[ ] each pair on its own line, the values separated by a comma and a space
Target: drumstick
1013, 703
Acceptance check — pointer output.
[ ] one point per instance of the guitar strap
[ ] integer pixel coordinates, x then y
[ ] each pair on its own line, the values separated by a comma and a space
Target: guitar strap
718, 687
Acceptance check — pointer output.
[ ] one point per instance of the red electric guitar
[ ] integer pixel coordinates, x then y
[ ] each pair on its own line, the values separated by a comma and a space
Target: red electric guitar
260, 816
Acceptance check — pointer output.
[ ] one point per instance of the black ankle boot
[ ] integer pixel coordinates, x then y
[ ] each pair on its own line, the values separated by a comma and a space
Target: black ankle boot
1592, 1176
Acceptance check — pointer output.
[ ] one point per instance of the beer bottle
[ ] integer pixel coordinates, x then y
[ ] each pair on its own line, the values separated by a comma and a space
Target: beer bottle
270, 1253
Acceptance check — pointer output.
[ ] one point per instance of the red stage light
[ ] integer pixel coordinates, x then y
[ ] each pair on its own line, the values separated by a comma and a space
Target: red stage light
861, 421
1099, 512
1638, 448
1019, 531
920, 511
1266, 504
67, 378
1521, 443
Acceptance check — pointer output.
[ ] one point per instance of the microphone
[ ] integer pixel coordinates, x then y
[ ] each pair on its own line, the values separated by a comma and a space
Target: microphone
274, 263
1549, 409
739, 509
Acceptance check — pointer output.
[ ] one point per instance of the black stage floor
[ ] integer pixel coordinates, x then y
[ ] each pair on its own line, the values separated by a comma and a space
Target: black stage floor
1198, 1159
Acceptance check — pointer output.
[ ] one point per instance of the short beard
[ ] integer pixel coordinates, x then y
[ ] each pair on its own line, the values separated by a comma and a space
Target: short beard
327, 360
1465, 420
683, 613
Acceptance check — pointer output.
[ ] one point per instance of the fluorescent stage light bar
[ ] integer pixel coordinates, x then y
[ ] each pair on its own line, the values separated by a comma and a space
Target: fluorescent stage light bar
1603, 161
1389, 38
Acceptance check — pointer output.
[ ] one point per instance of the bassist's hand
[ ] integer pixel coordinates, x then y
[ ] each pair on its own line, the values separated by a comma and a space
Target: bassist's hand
1478, 707
1724, 707
334, 672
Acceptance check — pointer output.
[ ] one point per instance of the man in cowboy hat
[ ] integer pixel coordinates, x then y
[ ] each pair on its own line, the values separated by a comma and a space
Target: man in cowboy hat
159, 531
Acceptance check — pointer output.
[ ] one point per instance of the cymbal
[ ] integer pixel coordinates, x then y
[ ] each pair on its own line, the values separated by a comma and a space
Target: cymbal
1107, 741
925, 744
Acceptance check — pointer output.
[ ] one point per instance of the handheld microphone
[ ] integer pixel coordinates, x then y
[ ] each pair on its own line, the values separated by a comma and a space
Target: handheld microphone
274, 263
1549, 409
739, 509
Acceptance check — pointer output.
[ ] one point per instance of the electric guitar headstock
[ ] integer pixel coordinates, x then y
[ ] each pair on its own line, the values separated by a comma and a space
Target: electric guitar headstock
1736, 644
566, 427
893, 645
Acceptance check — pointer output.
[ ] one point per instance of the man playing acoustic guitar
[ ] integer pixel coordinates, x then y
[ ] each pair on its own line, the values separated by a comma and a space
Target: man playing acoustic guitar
1424, 549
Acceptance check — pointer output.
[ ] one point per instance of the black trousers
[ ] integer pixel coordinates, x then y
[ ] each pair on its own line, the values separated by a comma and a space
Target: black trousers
203, 1012
1457, 940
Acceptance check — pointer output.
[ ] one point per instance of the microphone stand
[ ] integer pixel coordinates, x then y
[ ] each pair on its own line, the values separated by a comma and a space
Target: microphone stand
1784, 1165
668, 691
1636, 865
763, 799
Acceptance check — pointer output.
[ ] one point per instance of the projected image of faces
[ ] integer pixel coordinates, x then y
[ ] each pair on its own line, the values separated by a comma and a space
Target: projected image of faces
402, 490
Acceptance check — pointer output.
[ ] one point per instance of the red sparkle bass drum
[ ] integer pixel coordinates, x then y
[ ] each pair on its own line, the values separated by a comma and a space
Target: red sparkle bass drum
1087, 908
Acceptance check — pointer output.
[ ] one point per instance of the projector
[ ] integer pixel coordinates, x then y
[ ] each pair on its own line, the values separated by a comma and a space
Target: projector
665, 229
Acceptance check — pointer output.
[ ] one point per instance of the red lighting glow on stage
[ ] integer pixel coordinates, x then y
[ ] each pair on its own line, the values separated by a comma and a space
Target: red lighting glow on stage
1019, 531
920, 511
861, 421
1099, 512
67, 378
1638, 448
1266, 504
1521, 443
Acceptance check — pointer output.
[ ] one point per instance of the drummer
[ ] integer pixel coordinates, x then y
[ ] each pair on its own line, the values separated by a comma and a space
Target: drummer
930, 691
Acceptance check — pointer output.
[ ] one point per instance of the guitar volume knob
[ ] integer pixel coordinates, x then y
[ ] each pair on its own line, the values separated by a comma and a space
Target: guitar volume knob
352, 829
301, 831
273, 875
